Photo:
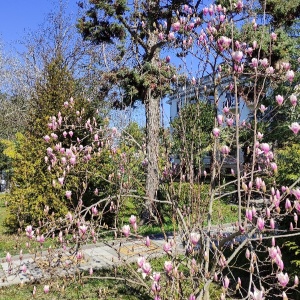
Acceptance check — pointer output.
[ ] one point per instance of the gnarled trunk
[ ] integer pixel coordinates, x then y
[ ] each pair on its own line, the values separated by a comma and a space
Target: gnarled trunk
152, 105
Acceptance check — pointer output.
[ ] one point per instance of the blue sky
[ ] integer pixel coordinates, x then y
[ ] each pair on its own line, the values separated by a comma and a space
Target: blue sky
19, 17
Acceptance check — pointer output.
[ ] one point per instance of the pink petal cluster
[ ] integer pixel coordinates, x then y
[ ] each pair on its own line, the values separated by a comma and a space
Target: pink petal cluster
29, 232
279, 100
195, 237
225, 150
283, 279
133, 223
295, 127
126, 230
237, 56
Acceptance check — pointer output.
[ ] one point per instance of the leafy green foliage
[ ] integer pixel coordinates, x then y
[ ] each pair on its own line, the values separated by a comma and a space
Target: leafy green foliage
32, 186
192, 132
283, 13
288, 159
294, 253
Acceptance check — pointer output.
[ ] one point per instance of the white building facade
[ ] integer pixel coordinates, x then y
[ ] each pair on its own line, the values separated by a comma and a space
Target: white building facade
204, 90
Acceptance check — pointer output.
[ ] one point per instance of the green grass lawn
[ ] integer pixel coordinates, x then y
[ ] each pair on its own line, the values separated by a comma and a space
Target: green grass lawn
73, 289
88, 288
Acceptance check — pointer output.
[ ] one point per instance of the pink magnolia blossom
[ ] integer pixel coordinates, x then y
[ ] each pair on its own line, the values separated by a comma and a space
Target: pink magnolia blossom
220, 119
135, 227
273, 241
295, 127
249, 50
229, 122
167, 247
249, 214
175, 26
155, 287
146, 269
132, 219
168, 266
195, 237
265, 147
226, 110
260, 223
40, 239
73, 160
141, 260
272, 252
290, 75
216, 132
296, 193
239, 6
205, 11
54, 136
279, 100
94, 210
283, 279
264, 62
237, 56
68, 194
161, 36
61, 180
156, 276
295, 218
79, 255
82, 230
46, 289
258, 182
225, 150
286, 65
226, 282
272, 223
63, 160
262, 108
29, 232
270, 70
296, 281
273, 36
47, 138
257, 295
274, 166
247, 253
288, 204
8, 257
268, 212
260, 136
293, 100
147, 241
254, 63
126, 230
24, 269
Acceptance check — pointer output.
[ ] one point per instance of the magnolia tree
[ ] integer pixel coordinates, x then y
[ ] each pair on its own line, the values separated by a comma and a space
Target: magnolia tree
201, 261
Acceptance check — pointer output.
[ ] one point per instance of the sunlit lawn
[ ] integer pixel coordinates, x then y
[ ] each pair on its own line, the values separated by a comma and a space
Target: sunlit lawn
73, 288
8, 242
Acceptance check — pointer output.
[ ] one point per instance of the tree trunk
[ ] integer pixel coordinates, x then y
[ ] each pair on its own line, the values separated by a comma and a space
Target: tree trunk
152, 105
